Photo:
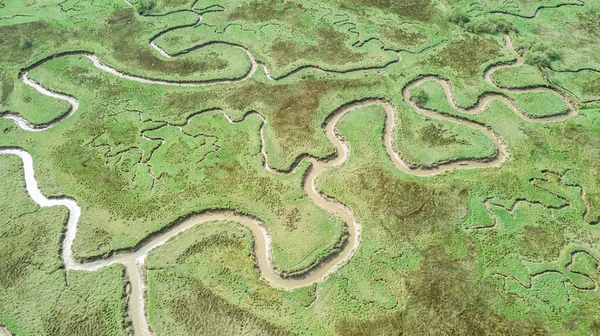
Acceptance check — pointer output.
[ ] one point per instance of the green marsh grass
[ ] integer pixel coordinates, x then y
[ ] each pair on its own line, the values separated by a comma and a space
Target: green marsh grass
482, 252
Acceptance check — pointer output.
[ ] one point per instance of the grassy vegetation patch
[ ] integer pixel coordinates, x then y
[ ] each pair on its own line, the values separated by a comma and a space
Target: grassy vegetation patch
37, 295
522, 76
181, 303
575, 51
585, 84
466, 55
421, 10
200, 312
540, 104
284, 35
425, 141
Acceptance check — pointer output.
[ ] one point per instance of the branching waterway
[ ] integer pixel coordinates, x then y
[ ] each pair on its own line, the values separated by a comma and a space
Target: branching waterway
320, 270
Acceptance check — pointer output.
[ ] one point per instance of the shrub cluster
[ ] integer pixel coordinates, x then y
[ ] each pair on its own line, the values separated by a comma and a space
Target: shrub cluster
489, 25
420, 97
539, 53
481, 25
145, 6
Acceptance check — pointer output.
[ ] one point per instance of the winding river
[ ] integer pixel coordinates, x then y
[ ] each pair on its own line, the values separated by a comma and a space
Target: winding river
134, 260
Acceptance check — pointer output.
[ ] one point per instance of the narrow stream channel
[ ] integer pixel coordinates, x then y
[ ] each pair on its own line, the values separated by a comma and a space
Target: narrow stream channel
134, 261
